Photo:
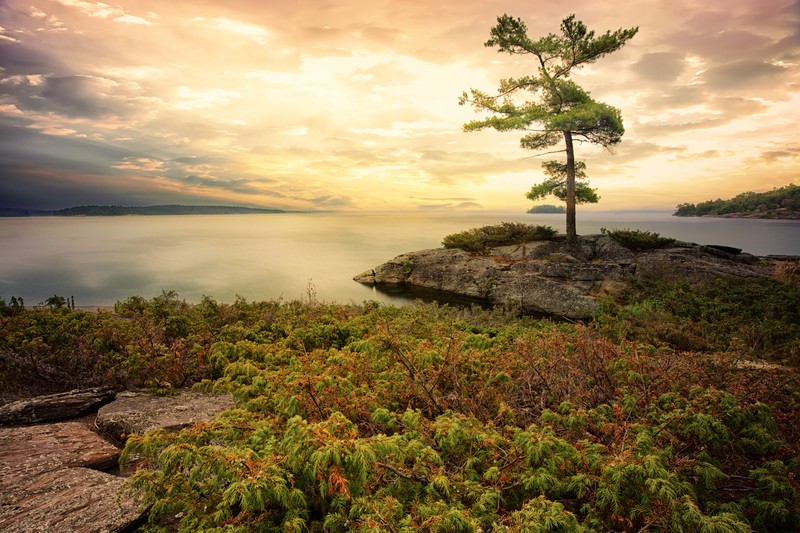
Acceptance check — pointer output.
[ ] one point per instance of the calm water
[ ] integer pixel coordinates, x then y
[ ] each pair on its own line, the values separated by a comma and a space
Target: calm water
100, 260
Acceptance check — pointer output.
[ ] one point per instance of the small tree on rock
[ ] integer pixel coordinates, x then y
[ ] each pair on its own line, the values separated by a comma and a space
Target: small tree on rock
557, 109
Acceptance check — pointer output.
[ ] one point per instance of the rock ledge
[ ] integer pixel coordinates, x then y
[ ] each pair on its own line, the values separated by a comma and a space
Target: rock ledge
546, 276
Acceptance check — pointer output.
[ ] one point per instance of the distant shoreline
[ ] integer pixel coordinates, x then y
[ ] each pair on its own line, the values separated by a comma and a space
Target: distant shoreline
149, 210
790, 215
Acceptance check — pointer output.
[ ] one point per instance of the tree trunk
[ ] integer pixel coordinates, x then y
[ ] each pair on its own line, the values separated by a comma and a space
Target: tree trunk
572, 233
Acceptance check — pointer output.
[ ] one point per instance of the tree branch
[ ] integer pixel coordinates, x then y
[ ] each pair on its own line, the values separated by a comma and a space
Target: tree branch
544, 153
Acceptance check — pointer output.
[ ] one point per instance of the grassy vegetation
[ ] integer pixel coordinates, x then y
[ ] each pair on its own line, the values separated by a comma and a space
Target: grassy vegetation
753, 318
432, 418
638, 240
479, 240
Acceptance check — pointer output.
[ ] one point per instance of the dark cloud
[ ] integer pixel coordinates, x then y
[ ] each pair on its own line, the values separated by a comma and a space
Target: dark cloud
328, 200
238, 185
72, 96
660, 66
75, 96
745, 73
722, 46
20, 59
31, 147
674, 97
55, 171
788, 48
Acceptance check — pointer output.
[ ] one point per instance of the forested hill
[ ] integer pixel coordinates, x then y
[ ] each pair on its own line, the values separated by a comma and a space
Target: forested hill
547, 208
777, 203
119, 210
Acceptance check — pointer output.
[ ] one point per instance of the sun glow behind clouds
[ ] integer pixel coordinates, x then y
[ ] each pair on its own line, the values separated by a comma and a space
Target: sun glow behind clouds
301, 105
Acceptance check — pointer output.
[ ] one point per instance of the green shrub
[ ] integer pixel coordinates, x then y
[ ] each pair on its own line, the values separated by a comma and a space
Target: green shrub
757, 316
479, 240
638, 240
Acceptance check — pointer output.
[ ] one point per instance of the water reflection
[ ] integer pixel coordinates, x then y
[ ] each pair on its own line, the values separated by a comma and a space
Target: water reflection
99, 260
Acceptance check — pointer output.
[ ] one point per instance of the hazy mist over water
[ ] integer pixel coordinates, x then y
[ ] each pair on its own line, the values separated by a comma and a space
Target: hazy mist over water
100, 260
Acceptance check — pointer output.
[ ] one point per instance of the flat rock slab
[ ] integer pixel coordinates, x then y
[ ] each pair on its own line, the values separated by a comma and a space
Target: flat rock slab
53, 407
139, 412
47, 481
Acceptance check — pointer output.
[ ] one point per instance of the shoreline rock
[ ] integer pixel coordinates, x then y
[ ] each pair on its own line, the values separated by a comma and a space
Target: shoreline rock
51, 480
54, 475
545, 276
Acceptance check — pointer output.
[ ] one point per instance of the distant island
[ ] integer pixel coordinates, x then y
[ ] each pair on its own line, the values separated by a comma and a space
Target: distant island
779, 203
547, 208
120, 210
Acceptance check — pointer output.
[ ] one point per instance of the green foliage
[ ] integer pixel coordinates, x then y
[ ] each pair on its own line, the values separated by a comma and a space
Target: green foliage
556, 184
444, 419
638, 240
14, 306
432, 418
479, 240
755, 317
547, 208
783, 202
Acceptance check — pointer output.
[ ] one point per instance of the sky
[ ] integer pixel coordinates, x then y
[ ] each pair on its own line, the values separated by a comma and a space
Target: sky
353, 105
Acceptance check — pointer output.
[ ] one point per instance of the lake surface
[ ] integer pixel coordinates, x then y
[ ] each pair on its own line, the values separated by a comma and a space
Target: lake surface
100, 260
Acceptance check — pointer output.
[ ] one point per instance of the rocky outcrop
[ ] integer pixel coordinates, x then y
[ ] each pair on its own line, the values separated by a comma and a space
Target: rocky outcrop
52, 475
548, 276
59, 406
49, 481
139, 412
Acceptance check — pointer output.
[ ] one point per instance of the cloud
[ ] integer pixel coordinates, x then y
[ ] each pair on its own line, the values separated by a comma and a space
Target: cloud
660, 66
328, 201
252, 31
75, 95
189, 98
326, 104
105, 11
450, 206
717, 46
746, 73
788, 152
238, 185
20, 59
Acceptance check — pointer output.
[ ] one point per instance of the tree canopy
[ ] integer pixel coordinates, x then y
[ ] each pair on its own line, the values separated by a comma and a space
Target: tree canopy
549, 106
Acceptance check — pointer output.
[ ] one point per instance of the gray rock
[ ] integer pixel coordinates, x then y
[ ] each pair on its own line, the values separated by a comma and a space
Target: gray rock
139, 412
52, 407
548, 277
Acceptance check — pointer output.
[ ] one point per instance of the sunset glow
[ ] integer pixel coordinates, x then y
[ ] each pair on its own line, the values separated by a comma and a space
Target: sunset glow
354, 105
